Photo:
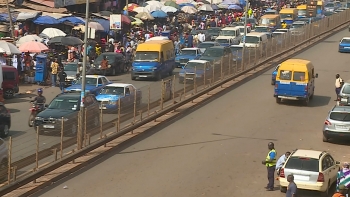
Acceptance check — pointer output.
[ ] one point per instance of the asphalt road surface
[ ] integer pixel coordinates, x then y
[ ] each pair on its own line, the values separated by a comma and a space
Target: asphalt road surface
217, 150
24, 137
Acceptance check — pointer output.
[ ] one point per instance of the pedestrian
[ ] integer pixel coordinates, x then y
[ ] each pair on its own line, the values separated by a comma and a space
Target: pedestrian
343, 176
104, 65
292, 187
54, 70
270, 163
342, 190
338, 84
281, 161
62, 79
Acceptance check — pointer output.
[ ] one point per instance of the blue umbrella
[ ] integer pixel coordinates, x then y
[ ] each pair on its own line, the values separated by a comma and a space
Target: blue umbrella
215, 7
72, 19
104, 23
234, 7
5, 18
46, 20
242, 2
159, 14
186, 4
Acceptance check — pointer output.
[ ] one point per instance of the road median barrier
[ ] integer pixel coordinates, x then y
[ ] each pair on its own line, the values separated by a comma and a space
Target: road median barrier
180, 99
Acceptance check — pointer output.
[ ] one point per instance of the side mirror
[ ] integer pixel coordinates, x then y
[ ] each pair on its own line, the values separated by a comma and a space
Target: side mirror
337, 162
46, 105
316, 76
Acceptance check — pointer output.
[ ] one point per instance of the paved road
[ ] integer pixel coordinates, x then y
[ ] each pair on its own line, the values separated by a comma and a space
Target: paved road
24, 138
217, 150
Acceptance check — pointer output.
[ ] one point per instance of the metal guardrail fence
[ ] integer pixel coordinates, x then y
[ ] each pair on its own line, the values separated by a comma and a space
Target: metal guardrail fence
28, 155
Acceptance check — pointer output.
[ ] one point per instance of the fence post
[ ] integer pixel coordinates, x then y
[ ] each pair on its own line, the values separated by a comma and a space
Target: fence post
14, 173
173, 89
221, 69
118, 121
229, 63
37, 149
185, 80
9, 160
249, 62
85, 122
213, 77
61, 142
149, 100
135, 105
195, 80
101, 120
162, 93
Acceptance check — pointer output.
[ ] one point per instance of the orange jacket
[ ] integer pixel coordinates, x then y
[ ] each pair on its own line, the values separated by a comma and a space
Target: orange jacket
338, 195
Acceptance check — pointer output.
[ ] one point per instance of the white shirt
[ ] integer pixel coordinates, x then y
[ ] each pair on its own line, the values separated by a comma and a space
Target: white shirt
201, 37
338, 82
3, 61
111, 40
147, 36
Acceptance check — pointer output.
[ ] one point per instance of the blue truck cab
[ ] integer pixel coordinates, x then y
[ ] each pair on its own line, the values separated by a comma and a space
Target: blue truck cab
295, 80
153, 60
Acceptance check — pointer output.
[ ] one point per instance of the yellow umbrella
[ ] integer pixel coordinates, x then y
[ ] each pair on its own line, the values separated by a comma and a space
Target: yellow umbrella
137, 21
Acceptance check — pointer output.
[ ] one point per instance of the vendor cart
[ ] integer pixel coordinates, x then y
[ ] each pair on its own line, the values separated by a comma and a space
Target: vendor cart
40, 69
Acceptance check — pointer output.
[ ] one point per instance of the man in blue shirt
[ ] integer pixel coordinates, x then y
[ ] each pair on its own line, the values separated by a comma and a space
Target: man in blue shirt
292, 187
281, 161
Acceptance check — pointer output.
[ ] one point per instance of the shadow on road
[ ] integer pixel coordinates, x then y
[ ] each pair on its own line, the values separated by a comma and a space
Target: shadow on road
306, 193
343, 142
16, 133
317, 101
242, 137
13, 110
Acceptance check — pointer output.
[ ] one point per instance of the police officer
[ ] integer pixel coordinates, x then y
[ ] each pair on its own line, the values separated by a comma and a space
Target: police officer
270, 163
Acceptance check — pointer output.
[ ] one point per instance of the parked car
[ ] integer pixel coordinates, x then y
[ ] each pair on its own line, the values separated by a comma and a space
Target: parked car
204, 45
5, 121
312, 170
10, 81
65, 107
214, 32
112, 93
94, 84
344, 45
186, 55
195, 70
215, 54
297, 28
116, 64
71, 69
337, 123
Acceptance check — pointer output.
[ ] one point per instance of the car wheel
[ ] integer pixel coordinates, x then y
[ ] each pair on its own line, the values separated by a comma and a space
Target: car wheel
306, 101
133, 78
31, 120
272, 82
9, 93
283, 189
326, 193
324, 138
5, 131
278, 100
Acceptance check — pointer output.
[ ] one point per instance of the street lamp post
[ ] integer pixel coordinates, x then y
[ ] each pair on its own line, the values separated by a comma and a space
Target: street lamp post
83, 79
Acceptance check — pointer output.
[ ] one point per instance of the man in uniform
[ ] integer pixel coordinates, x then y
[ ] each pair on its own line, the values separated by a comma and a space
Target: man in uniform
270, 163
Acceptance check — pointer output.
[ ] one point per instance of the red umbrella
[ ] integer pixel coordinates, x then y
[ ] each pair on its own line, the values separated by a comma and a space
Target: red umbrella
125, 19
33, 47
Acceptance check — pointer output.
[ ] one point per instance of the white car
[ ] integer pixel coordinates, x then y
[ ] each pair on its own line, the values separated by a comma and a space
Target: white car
312, 170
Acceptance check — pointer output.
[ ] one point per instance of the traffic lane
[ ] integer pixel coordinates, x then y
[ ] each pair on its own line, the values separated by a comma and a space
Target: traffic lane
217, 150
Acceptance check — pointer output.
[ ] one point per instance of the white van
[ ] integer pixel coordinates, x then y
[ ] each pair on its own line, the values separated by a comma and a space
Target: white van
241, 29
255, 39
233, 32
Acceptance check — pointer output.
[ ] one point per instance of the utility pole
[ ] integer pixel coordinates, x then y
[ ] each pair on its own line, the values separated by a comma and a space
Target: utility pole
10, 19
245, 22
80, 137
127, 7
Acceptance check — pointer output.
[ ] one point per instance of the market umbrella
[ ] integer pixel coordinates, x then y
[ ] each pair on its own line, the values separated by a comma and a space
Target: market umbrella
96, 26
203, 1
230, 2
215, 7
71, 41
234, 7
33, 47
223, 6
189, 9
172, 4
28, 38
8, 48
154, 3
52, 32
140, 9
159, 14
106, 13
144, 16
56, 40
206, 7
137, 22
152, 8
167, 9
131, 7
183, 1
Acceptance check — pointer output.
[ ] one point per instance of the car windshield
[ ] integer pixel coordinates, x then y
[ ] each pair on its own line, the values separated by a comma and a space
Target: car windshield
64, 103
241, 30
285, 16
222, 41
340, 116
188, 52
252, 39
329, 5
113, 90
285, 74
228, 33
346, 89
302, 12
301, 163
214, 31
210, 52
205, 45
71, 67
88, 80
345, 41
149, 56
267, 21
298, 25
108, 57
261, 29
194, 65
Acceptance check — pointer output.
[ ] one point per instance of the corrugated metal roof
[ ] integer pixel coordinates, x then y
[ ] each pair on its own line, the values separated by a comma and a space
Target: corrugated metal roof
55, 15
48, 3
44, 8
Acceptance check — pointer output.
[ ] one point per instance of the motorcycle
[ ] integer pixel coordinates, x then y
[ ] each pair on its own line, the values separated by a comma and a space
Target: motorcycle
34, 110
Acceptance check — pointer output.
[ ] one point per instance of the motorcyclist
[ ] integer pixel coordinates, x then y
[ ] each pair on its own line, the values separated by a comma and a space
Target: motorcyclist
40, 100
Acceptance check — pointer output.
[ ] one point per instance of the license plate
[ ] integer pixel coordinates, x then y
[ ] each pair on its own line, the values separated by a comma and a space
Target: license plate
142, 76
341, 127
301, 177
49, 126
189, 78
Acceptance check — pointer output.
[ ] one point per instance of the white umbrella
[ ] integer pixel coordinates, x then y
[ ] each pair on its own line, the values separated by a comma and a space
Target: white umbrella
52, 32
189, 9
140, 9
168, 9
206, 7
154, 3
97, 26
28, 38
152, 8
8, 48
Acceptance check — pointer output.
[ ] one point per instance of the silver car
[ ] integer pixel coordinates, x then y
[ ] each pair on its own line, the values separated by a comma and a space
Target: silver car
337, 123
